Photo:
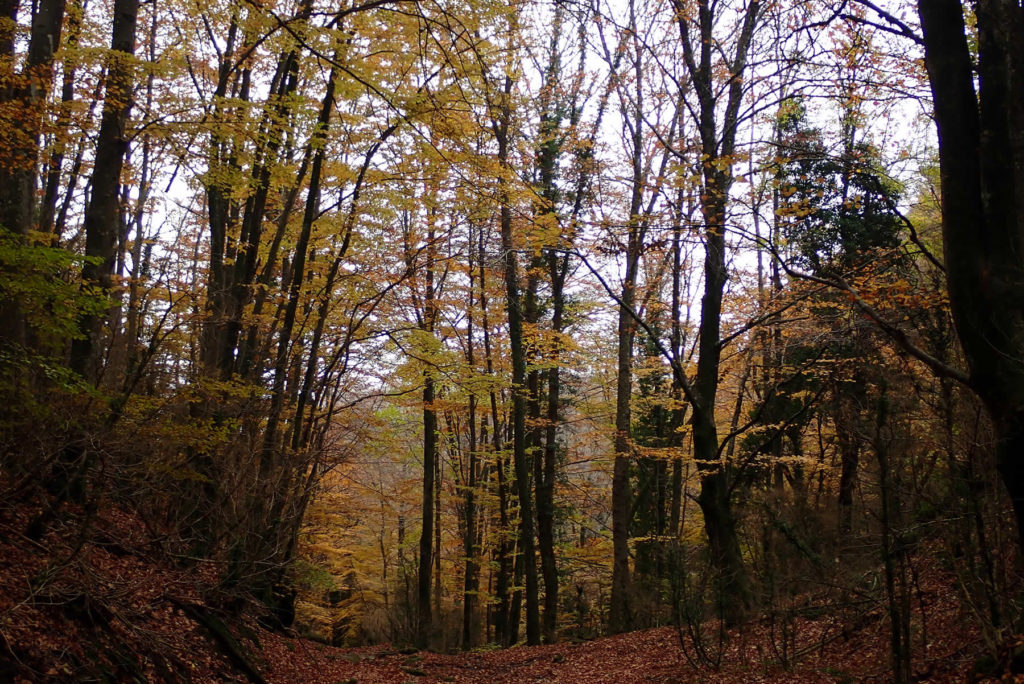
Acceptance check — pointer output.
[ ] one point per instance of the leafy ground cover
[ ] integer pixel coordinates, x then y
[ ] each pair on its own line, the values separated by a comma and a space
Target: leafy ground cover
98, 598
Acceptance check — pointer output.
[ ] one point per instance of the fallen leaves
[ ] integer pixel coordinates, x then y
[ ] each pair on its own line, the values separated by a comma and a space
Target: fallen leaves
114, 608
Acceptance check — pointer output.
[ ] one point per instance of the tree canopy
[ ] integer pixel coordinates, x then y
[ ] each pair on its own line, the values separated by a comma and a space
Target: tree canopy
462, 323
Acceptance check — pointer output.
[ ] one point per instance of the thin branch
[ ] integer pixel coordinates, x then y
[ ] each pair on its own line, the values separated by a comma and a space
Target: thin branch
893, 25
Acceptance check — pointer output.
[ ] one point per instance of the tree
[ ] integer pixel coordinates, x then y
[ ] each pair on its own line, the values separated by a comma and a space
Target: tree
836, 213
717, 123
501, 125
981, 156
103, 217
22, 100
23, 97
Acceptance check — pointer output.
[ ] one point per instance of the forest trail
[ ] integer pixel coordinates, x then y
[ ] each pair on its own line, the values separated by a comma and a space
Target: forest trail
653, 655
115, 607
388, 322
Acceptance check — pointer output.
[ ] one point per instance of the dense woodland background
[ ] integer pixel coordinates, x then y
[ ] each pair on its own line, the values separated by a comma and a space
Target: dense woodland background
452, 324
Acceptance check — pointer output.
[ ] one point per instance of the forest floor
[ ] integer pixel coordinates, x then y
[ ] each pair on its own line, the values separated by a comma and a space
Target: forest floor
653, 655
100, 601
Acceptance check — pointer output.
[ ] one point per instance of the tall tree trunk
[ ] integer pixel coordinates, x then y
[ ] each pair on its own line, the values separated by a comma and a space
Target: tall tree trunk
892, 553
222, 211
503, 547
718, 143
302, 428
557, 270
981, 156
471, 583
620, 616
513, 303
425, 620
18, 172
438, 474
535, 445
549, 152
18, 162
141, 252
430, 455
298, 273
103, 215
845, 418
676, 341
48, 206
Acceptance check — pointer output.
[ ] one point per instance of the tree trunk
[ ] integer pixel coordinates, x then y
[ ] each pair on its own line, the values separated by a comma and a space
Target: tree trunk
678, 412
557, 267
981, 155
228, 334
18, 171
424, 623
503, 548
620, 615
849, 456
430, 454
515, 324
471, 583
718, 144
18, 163
48, 206
103, 215
437, 539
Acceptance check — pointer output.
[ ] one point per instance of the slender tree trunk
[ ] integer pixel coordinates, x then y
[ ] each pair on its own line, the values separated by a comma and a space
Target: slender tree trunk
849, 456
520, 457
141, 252
515, 609
895, 580
557, 269
620, 615
425, 621
298, 273
48, 206
18, 172
503, 547
437, 539
718, 143
471, 583
430, 455
222, 214
549, 152
678, 412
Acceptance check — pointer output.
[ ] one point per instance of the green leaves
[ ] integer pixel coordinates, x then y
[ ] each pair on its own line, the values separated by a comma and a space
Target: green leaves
36, 278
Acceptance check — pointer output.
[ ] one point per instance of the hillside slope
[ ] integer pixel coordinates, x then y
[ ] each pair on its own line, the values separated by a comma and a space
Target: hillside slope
97, 598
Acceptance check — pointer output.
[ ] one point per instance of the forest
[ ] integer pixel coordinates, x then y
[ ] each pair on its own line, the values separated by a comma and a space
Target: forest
687, 328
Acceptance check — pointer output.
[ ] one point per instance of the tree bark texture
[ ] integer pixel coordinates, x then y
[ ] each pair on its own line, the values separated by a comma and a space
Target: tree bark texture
981, 155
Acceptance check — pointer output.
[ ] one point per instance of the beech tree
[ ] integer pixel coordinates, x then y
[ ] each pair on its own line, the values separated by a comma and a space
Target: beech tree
103, 216
22, 99
717, 114
981, 156
495, 257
